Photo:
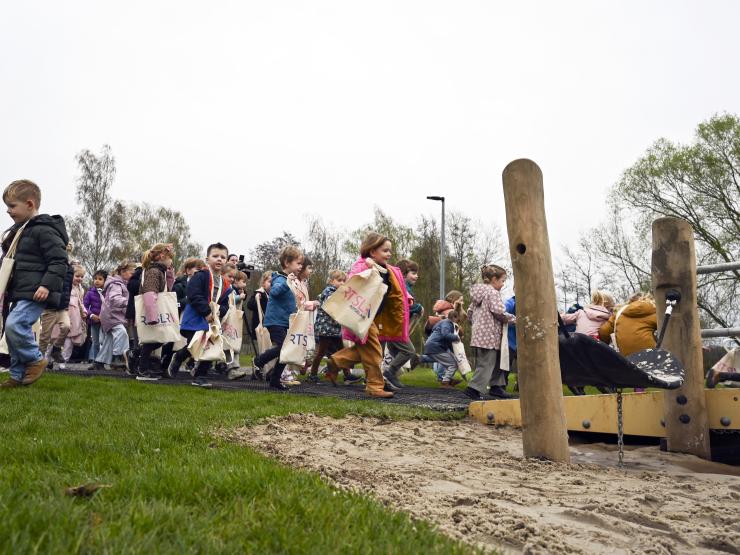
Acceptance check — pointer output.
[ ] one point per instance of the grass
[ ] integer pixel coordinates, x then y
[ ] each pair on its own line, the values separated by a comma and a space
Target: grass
174, 488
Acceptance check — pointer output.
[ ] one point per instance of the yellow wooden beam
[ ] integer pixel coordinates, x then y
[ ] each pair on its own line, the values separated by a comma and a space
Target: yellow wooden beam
643, 412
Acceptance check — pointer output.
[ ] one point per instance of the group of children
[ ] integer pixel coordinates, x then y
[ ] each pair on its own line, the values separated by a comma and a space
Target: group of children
44, 285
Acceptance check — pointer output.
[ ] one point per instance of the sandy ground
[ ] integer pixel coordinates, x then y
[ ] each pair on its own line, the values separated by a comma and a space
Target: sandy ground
473, 483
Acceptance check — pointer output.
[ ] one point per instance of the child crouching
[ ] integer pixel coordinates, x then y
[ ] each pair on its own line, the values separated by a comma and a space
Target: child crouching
439, 347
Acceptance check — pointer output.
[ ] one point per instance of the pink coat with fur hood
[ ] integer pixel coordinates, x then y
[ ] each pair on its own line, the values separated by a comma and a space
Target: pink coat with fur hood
398, 300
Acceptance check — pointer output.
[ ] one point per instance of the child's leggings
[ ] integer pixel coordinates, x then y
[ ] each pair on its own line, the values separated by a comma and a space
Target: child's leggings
326, 346
113, 343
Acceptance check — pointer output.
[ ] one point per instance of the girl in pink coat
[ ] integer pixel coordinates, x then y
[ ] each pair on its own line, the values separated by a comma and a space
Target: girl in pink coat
591, 317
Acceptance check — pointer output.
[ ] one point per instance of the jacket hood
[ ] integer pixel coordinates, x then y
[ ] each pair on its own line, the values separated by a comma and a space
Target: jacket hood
597, 313
55, 222
639, 309
181, 279
112, 280
478, 292
442, 306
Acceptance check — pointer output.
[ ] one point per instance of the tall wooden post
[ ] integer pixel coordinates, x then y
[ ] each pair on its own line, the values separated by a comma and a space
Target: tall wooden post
674, 267
544, 431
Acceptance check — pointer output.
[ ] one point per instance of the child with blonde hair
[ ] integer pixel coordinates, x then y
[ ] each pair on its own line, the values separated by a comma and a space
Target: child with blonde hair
591, 317
635, 324
77, 334
114, 338
487, 315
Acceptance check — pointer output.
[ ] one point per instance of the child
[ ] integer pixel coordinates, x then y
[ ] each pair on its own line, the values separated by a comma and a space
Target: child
403, 352
487, 315
77, 334
439, 347
300, 289
453, 301
92, 302
239, 293
392, 318
37, 279
328, 332
156, 263
55, 321
188, 268
280, 306
114, 337
205, 287
590, 318
261, 296
635, 325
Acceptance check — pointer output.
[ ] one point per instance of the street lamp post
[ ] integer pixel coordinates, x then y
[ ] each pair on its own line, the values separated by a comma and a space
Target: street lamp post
441, 250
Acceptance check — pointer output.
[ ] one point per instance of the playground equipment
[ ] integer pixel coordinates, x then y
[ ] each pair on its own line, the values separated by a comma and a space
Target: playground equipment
584, 361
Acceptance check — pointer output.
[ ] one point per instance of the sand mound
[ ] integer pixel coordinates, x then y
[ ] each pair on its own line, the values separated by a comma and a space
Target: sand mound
472, 482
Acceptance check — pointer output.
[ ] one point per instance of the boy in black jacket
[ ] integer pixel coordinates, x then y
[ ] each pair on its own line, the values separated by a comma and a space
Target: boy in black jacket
37, 280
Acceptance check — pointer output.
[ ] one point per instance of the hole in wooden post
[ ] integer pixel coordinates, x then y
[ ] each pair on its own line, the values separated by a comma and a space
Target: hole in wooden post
521, 248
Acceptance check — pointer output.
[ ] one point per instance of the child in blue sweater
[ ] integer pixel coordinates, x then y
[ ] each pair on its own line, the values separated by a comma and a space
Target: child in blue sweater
280, 305
206, 286
439, 348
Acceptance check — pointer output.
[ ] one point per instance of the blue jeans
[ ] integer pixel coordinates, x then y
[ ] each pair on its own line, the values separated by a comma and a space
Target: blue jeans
94, 341
22, 345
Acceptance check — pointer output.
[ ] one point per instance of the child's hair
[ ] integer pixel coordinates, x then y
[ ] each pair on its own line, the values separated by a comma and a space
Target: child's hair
336, 274
453, 316
288, 254
228, 267
79, 270
265, 275
155, 254
240, 276
122, 267
642, 296
191, 263
371, 242
102, 273
453, 295
307, 262
219, 246
22, 190
601, 298
491, 271
407, 266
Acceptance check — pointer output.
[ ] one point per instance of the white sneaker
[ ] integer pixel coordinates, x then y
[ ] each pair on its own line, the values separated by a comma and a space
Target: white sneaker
236, 374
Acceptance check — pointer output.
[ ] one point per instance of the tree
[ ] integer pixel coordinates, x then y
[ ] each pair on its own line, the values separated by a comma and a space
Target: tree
326, 253
462, 242
143, 225
91, 232
265, 255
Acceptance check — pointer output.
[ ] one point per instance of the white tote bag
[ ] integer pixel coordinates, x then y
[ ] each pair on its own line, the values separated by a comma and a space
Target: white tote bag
297, 339
6, 269
458, 349
231, 327
355, 304
263, 337
613, 336
167, 328
208, 345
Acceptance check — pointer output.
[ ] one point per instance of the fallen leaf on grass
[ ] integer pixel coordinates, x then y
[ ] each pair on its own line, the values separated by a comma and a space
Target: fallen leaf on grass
85, 490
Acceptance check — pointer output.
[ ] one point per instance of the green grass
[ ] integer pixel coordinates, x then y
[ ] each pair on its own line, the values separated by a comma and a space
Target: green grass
174, 488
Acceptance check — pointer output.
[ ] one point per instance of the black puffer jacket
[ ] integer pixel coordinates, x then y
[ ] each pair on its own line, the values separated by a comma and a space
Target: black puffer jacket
40, 259
133, 285
181, 290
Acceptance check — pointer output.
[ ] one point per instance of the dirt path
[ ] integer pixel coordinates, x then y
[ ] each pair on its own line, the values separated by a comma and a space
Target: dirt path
472, 482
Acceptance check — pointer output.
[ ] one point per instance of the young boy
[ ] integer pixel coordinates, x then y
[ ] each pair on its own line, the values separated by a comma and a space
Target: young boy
37, 280
401, 353
206, 286
439, 348
280, 305
57, 318
239, 287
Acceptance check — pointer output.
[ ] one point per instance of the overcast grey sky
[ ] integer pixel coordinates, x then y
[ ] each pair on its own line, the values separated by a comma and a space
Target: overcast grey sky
247, 116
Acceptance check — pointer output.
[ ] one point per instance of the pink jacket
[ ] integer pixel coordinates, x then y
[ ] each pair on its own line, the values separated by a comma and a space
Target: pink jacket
588, 320
115, 301
360, 266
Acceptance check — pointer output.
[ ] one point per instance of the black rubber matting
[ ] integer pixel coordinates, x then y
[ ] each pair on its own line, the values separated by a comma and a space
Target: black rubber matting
431, 398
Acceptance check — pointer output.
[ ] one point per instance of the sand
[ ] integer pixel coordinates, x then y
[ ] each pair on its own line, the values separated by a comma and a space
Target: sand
472, 482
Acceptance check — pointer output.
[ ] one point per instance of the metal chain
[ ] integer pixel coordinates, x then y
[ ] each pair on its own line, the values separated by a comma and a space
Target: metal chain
620, 430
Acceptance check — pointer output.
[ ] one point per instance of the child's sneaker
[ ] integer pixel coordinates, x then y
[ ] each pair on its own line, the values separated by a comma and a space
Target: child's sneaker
313, 378
34, 371
349, 379
237, 373
148, 377
200, 381
56, 354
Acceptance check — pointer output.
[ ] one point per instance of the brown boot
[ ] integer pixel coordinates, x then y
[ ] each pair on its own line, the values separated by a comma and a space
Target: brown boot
383, 394
332, 371
10, 383
34, 371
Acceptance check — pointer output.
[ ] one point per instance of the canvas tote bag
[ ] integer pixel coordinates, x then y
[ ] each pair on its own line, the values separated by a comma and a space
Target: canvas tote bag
298, 339
263, 337
458, 349
231, 326
355, 304
6, 269
208, 345
167, 328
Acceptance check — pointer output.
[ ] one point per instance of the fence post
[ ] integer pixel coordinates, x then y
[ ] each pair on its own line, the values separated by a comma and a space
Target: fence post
544, 431
674, 267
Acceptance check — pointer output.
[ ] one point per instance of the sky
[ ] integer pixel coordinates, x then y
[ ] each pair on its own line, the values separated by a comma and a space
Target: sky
248, 117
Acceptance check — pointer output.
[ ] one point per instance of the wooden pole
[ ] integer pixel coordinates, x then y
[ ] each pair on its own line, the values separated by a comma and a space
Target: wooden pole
674, 267
544, 432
